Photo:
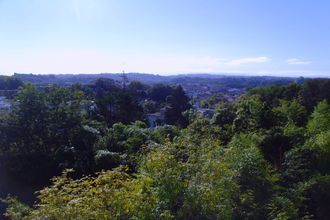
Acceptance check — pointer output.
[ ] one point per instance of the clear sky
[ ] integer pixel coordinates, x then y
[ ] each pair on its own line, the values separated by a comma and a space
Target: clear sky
268, 37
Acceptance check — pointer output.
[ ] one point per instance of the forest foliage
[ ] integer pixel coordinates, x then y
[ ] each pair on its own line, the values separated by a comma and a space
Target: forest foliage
264, 156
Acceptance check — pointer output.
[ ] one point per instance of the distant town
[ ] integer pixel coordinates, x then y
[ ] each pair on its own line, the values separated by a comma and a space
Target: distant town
204, 90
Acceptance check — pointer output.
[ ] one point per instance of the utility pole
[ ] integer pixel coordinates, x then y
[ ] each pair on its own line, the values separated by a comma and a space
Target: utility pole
124, 79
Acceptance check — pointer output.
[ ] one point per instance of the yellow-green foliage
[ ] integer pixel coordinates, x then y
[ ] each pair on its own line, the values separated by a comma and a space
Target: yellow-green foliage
177, 180
109, 195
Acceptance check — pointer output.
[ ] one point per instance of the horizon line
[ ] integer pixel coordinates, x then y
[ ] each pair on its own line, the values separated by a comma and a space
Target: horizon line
236, 74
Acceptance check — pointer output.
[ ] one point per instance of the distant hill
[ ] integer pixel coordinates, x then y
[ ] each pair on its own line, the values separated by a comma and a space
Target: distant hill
69, 79
232, 81
195, 85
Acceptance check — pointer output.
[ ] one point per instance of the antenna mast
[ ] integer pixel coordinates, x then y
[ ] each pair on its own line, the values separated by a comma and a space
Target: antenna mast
124, 79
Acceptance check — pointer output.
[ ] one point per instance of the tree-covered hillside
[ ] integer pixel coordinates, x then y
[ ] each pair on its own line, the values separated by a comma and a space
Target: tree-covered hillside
10, 83
265, 155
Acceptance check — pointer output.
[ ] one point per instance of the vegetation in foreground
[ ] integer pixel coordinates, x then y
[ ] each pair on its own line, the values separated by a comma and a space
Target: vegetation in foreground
264, 156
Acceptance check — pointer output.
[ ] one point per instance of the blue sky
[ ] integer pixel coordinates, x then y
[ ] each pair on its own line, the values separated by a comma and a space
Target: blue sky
261, 37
